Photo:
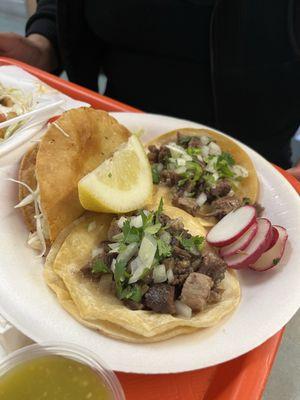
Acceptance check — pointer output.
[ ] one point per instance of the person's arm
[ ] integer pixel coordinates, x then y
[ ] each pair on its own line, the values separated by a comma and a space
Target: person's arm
39, 47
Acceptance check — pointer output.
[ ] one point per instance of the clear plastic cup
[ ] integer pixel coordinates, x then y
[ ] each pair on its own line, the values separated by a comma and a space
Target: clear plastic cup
67, 350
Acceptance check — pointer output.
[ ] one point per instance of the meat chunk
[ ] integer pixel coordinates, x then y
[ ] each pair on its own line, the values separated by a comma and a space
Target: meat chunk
222, 189
195, 142
164, 154
160, 298
224, 205
215, 295
212, 265
181, 253
153, 154
169, 178
133, 305
196, 291
113, 230
176, 226
186, 203
181, 270
104, 256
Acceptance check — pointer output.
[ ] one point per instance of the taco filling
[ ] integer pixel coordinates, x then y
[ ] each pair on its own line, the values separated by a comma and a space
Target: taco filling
203, 178
157, 265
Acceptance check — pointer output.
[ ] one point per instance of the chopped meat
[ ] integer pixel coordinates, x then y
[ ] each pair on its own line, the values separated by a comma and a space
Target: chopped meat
160, 298
259, 209
113, 230
189, 187
133, 305
182, 139
212, 265
176, 226
170, 178
224, 205
164, 219
215, 295
164, 154
195, 142
169, 263
186, 203
181, 253
222, 189
153, 154
181, 270
196, 291
196, 263
105, 256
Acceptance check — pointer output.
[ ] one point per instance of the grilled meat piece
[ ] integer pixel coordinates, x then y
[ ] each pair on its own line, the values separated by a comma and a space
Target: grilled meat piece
186, 203
113, 230
133, 305
153, 154
196, 291
212, 265
224, 205
160, 298
169, 178
222, 189
163, 154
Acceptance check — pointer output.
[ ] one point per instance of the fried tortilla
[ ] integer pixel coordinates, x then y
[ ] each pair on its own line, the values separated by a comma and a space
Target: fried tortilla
74, 145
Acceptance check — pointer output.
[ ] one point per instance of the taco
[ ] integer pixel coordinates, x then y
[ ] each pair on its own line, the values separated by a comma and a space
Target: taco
203, 172
73, 145
143, 277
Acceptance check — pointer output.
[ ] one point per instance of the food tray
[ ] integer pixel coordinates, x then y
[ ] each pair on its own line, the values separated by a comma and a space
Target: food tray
242, 378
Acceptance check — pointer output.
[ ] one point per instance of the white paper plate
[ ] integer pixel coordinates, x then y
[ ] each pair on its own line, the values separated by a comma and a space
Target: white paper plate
268, 301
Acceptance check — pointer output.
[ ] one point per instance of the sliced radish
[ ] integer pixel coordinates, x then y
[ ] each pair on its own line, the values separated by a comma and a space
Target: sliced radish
241, 243
274, 239
255, 248
232, 226
271, 257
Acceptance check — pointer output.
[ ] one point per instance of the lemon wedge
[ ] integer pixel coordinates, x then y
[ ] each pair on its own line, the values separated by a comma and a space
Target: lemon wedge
120, 184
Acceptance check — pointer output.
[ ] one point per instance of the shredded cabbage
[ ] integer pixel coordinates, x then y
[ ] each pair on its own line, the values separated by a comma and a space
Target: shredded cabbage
38, 218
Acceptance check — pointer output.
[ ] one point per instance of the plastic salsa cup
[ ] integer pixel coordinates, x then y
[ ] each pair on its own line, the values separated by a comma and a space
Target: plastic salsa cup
87, 369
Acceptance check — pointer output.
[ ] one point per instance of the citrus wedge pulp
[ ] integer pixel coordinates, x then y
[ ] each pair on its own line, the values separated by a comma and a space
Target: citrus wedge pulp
122, 183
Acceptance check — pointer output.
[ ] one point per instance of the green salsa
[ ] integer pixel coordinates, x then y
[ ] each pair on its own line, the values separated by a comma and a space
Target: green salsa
53, 378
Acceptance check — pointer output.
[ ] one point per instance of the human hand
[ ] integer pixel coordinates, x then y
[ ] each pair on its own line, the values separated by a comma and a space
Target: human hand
35, 50
295, 171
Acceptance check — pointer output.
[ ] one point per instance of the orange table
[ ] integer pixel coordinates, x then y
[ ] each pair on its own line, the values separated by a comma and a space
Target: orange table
242, 378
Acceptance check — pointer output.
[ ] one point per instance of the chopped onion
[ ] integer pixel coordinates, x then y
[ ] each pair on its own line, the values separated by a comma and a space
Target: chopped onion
92, 225
128, 253
201, 199
146, 255
170, 275
183, 310
178, 152
137, 221
113, 265
239, 171
200, 158
121, 221
166, 237
96, 252
205, 140
159, 167
214, 149
215, 176
159, 274
181, 162
135, 264
180, 170
117, 237
114, 247
33, 241
205, 151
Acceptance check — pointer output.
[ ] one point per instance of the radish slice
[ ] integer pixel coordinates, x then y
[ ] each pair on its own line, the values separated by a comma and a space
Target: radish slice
241, 243
274, 239
232, 226
272, 256
255, 248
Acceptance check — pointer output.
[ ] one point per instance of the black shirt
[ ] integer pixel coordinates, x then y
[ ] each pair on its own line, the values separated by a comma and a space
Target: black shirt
134, 33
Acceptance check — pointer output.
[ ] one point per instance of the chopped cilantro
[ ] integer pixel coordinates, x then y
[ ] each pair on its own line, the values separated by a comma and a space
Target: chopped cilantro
227, 157
164, 249
109, 175
130, 292
193, 151
276, 261
183, 139
120, 272
155, 174
99, 266
131, 233
223, 169
195, 242
209, 179
152, 229
159, 210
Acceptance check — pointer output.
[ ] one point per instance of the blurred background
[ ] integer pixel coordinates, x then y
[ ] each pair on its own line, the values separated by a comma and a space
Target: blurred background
284, 382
